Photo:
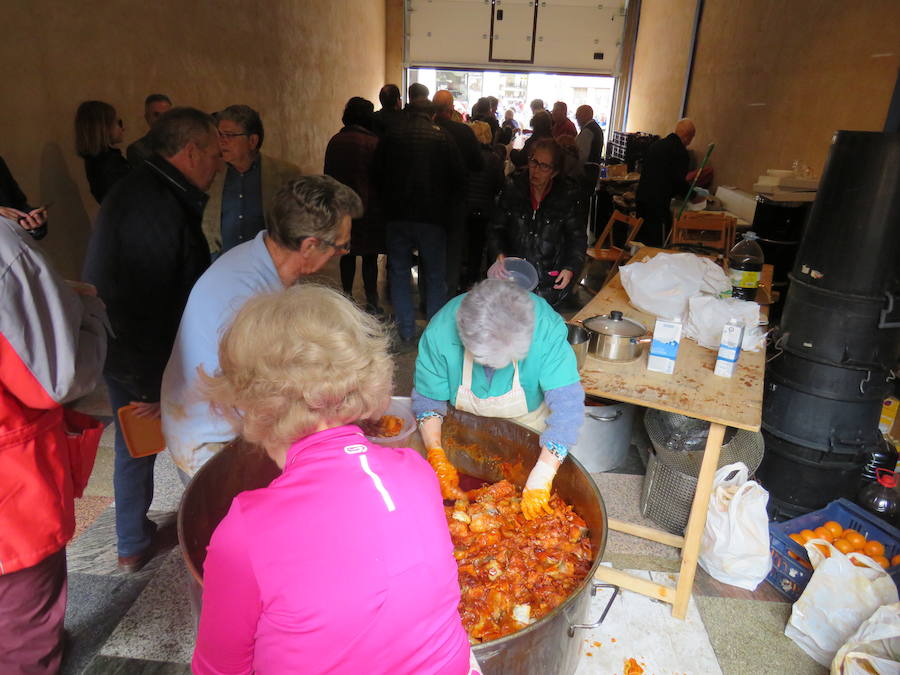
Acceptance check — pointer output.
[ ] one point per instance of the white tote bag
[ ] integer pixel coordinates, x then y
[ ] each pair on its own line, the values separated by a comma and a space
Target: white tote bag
735, 544
874, 648
837, 599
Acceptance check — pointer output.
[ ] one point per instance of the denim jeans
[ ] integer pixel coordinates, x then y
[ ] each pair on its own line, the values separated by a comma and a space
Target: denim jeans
431, 242
132, 484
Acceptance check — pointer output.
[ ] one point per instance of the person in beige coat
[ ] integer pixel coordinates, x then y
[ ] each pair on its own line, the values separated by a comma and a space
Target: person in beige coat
241, 196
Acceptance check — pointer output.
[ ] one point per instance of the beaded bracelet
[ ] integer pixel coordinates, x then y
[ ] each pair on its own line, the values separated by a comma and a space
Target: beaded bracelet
420, 419
558, 450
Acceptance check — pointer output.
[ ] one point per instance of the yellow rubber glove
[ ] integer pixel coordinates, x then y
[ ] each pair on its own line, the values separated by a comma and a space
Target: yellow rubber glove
447, 475
536, 495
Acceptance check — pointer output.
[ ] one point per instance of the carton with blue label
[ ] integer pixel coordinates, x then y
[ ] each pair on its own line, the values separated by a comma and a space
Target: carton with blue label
664, 347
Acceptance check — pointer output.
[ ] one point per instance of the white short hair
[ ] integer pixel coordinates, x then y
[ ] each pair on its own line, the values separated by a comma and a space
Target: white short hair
495, 322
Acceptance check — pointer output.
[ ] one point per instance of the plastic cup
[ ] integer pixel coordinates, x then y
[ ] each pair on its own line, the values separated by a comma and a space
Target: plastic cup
522, 272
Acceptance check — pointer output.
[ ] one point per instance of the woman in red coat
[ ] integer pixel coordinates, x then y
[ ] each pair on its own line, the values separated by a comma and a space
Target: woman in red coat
348, 158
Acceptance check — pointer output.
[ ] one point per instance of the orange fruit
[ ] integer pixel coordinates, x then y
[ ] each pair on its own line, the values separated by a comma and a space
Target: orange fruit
856, 562
855, 539
797, 538
873, 548
826, 551
807, 535
881, 560
834, 527
822, 533
895, 560
843, 546
848, 531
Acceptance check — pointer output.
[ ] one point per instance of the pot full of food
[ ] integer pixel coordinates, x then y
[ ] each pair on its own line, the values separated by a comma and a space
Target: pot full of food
605, 435
615, 337
523, 605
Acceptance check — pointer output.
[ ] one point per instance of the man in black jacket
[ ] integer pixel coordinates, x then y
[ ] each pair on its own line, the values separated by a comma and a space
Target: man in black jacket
663, 177
391, 114
473, 162
420, 172
145, 254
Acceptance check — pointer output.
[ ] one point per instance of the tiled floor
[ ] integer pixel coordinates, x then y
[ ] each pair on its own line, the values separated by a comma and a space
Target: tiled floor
142, 623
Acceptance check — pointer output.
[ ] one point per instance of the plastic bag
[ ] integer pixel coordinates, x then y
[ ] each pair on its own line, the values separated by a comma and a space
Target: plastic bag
735, 544
707, 316
874, 648
663, 284
837, 599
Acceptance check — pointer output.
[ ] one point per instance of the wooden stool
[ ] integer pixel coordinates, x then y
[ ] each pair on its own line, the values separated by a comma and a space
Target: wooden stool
705, 228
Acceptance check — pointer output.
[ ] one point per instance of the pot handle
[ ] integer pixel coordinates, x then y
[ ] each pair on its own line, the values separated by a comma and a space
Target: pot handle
594, 586
642, 340
606, 419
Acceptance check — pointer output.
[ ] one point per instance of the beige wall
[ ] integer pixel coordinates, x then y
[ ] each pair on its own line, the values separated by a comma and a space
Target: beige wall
772, 80
394, 40
660, 62
295, 62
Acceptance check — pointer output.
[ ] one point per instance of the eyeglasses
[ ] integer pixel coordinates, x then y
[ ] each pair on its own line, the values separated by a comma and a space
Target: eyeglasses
341, 248
232, 134
543, 166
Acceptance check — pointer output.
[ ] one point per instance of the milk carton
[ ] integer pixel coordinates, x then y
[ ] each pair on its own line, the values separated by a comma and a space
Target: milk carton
664, 347
729, 348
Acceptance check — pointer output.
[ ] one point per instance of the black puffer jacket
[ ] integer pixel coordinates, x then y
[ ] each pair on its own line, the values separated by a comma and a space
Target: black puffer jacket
553, 238
420, 172
145, 254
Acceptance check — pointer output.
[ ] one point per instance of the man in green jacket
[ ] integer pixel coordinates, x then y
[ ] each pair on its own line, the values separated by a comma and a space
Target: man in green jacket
241, 196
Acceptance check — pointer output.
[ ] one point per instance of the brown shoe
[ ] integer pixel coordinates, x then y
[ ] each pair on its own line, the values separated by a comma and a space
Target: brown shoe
134, 563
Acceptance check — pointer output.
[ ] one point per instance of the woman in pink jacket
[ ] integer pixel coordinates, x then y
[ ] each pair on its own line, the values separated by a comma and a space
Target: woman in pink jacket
344, 563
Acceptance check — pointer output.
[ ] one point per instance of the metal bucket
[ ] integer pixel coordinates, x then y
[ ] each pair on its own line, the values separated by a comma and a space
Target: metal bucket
605, 436
486, 448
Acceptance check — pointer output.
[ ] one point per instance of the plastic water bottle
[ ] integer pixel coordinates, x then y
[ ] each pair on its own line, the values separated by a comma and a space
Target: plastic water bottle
745, 263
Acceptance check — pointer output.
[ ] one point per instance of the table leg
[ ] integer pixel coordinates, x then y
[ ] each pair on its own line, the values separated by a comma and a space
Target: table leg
697, 520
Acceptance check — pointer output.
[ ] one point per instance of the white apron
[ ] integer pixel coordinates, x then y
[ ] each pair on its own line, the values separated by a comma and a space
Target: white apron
511, 405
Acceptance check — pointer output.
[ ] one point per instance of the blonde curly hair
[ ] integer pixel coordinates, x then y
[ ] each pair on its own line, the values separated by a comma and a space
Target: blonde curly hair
295, 359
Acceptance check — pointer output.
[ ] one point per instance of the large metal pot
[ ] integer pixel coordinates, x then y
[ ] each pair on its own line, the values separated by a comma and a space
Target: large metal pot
605, 436
486, 448
615, 338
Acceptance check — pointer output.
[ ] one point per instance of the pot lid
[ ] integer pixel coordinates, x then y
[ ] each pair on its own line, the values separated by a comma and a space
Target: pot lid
615, 324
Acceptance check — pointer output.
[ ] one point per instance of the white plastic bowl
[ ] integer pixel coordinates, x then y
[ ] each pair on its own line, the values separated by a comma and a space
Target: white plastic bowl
400, 406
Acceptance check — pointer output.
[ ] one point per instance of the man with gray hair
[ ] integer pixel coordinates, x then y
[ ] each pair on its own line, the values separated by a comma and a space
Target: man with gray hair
241, 196
145, 254
663, 176
310, 224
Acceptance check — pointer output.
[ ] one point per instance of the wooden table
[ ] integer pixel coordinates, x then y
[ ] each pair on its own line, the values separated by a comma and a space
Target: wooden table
692, 390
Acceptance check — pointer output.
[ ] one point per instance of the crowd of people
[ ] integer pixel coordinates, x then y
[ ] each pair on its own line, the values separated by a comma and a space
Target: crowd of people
190, 298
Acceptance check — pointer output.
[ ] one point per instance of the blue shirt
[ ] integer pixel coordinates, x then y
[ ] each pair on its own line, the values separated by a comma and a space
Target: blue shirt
242, 208
241, 273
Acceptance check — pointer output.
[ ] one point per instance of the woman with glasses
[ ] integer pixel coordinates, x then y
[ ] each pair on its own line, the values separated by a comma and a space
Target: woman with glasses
541, 217
97, 129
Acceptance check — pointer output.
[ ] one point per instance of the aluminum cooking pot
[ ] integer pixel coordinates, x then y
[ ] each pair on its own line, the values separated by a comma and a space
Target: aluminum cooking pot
616, 338
484, 447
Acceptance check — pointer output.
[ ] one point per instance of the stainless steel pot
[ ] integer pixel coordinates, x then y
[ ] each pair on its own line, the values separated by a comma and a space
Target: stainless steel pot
605, 436
579, 336
616, 338
483, 447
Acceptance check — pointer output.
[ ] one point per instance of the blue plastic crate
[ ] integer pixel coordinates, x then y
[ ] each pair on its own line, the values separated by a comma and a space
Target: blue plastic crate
790, 576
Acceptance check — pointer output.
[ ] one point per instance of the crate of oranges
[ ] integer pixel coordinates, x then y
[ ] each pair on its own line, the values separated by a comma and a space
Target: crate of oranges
845, 526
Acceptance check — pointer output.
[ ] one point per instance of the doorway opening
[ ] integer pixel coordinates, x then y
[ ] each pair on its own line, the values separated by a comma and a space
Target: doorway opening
516, 90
